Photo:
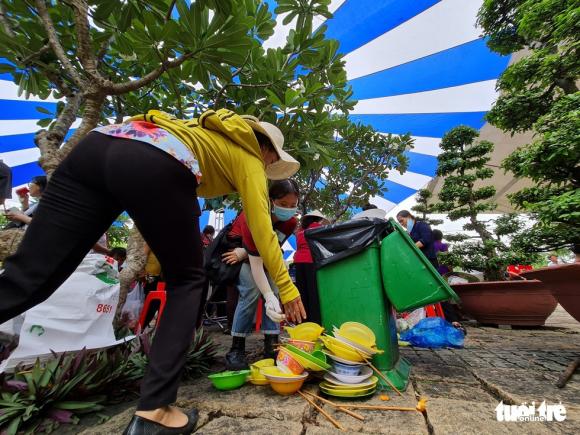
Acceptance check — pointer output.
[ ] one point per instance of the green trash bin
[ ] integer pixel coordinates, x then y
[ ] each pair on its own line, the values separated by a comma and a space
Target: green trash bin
351, 290
409, 278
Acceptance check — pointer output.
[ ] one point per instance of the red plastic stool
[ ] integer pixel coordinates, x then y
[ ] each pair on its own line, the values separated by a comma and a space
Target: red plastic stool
434, 310
259, 309
158, 294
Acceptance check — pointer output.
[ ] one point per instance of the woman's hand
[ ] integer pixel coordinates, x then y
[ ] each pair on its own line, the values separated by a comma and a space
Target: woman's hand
295, 311
234, 256
230, 257
18, 216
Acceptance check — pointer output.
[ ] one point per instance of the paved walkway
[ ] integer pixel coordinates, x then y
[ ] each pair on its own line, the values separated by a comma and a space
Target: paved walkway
561, 319
464, 386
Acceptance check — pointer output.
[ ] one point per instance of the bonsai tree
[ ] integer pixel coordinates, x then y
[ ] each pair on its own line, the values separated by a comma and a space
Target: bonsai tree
424, 207
540, 92
462, 163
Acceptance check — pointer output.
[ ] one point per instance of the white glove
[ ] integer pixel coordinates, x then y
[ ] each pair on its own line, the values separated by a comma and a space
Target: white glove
272, 305
273, 309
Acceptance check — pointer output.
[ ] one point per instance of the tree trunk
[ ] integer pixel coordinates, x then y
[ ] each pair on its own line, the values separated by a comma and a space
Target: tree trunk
91, 116
49, 141
132, 267
486, 236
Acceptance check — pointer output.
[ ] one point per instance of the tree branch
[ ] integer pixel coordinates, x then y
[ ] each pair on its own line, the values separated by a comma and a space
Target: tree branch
103, 49
55, 43
122, 88
313, 177
234, 74
91, 117
170, 10
49, 141
85, 49
60, 84
45, 49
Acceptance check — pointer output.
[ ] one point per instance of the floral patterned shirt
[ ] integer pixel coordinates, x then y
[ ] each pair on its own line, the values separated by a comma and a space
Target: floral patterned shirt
158, 137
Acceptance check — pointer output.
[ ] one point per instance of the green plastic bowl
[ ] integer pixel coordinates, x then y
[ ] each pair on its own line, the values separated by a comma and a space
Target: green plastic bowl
229, 380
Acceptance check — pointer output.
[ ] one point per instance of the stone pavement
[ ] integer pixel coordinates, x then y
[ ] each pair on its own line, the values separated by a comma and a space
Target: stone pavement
463, 386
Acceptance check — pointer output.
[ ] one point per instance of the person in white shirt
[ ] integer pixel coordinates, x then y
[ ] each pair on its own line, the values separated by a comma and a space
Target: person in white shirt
553, 260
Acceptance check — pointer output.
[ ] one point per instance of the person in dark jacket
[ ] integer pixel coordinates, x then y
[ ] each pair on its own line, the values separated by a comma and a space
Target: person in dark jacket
5, 182
421, 233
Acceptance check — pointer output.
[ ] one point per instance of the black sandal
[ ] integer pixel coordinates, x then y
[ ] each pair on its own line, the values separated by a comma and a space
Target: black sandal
142, 426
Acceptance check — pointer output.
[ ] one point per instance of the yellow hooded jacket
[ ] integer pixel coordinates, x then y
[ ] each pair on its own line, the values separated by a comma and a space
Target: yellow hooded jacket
230, 161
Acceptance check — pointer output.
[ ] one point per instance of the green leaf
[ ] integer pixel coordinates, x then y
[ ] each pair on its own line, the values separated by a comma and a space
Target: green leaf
125, 17
76, 406
105, 10
6, 68
12, 428
45, 122
43, 110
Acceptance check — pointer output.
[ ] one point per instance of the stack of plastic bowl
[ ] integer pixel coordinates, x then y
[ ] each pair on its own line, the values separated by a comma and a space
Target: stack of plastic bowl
256, 376
334, 387
287, 363
299, 351
352, 344
281, 382
314, 361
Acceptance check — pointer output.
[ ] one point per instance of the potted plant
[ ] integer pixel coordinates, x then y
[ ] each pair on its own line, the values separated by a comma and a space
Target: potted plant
540, 92
493, 245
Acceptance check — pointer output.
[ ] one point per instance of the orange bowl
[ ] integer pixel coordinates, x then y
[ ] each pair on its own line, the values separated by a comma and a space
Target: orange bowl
306, 346
287, 388
287, 363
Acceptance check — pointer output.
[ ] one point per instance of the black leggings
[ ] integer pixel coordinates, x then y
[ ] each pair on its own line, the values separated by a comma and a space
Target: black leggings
99, 179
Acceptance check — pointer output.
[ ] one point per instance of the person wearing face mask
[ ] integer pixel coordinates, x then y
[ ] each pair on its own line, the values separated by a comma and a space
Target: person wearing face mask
421, 233
253, 280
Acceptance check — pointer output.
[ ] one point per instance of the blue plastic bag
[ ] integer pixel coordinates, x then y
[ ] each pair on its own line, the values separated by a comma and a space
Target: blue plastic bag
434, 332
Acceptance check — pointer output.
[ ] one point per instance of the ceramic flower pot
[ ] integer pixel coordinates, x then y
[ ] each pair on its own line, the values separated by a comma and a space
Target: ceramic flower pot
522, 303
564, 283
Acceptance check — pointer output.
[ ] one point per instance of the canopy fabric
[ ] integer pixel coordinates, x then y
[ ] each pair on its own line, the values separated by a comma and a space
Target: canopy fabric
416, 66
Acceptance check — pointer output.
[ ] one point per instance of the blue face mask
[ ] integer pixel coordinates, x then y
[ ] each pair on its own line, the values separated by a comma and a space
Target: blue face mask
283, 214
410, 223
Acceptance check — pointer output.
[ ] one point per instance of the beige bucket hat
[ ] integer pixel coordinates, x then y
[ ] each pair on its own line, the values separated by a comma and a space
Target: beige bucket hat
287, 165
315, 213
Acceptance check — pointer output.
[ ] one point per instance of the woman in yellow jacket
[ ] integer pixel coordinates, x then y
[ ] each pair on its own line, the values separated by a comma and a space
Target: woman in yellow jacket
139, 166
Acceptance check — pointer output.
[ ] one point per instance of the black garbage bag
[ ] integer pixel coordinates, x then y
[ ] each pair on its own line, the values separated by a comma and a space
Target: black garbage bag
335, 242
218, 272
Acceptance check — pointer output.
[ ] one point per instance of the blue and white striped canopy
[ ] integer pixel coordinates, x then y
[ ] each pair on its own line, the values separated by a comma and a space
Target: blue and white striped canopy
417, 66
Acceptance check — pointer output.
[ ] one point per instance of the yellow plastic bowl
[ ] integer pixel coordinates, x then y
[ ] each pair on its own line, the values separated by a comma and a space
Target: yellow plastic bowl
256, 376
341, 350
307, 331
345, 346
268, 362
275, 371
287, 388
258, 381
358, 333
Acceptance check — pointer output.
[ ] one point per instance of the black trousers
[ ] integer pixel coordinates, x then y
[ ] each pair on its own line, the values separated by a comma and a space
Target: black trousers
308, 288
99, 179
